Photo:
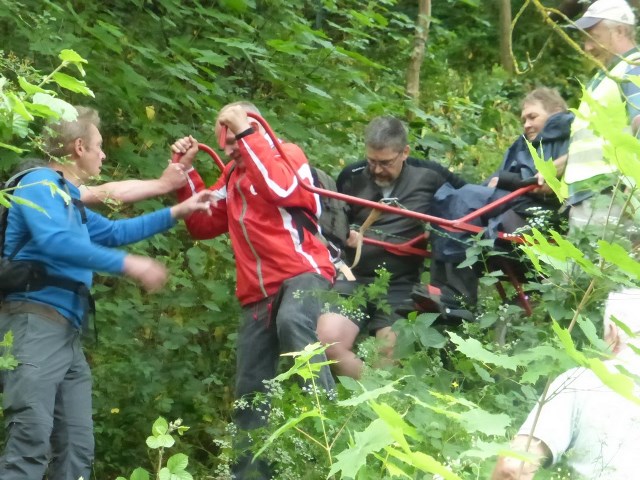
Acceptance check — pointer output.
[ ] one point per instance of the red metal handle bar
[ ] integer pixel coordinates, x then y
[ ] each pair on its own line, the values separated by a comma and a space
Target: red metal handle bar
175, 158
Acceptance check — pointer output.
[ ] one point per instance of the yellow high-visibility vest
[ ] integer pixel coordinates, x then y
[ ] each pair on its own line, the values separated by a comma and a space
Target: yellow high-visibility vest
586, 159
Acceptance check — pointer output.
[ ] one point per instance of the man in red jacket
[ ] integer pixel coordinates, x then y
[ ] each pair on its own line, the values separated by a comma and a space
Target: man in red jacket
280, 276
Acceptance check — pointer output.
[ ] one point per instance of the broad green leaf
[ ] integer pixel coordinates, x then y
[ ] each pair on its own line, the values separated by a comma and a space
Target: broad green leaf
548, 171
160, 427
165, 441
617, 382
566, 340
478, 420
71, 83
303, 365
61, 108
423, 462
209, 57
164, 474
589, 329
473, 349
31, 89
360, 58
11, 147
72, 57
153, 443
317, 91
18, 106
179, 461
450, 399
623, 326
139, 474
483, 374
392, 418
374, 437
484, 450
611, 123
431, 338
42, 111
21, 125
558, 254
368, 395
615, 254
290, 47
392, 466
239, 6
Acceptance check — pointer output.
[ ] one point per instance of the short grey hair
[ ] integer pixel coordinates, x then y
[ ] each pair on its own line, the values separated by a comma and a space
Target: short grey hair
386, 132
60, 136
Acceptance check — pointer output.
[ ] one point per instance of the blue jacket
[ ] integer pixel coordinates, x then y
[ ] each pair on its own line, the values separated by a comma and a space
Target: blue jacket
68, 247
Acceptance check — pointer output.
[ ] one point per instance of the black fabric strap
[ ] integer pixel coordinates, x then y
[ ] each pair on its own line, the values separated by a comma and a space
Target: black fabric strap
302, 221
244, 133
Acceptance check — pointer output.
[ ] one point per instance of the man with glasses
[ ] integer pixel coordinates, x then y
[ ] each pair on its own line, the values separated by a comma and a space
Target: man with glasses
388, 173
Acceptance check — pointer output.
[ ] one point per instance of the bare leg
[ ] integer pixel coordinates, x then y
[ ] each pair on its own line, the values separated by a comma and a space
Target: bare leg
342, 332
386, 338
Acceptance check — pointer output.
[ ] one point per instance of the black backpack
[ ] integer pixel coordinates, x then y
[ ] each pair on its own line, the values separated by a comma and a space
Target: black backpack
333, 222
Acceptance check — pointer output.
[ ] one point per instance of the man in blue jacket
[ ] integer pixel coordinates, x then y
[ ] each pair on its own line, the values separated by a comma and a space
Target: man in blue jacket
47, 397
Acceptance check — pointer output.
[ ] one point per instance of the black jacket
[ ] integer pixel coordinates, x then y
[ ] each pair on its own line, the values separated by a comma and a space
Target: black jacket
414, 189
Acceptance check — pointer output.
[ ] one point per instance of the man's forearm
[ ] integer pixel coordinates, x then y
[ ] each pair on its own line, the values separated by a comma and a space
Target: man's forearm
126, 191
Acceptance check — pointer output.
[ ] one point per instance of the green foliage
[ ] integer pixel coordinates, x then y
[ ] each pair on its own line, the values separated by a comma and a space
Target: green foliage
159, 440
27, 95
7, 360
319, 71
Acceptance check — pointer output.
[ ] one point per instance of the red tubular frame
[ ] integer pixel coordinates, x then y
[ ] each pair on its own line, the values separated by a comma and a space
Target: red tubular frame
460, 224
175, 158
408, 247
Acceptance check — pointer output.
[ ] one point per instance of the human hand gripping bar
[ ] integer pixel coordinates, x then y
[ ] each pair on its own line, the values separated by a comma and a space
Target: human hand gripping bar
175, 158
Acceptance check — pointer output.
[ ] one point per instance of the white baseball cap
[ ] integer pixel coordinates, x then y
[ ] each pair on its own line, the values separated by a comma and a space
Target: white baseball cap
615, 10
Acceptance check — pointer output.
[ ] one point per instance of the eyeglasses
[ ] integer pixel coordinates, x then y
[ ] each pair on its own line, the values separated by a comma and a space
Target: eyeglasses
384, 163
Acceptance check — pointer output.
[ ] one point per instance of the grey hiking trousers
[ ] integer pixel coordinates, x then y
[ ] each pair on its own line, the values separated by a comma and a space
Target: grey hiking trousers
47, 398
279, 324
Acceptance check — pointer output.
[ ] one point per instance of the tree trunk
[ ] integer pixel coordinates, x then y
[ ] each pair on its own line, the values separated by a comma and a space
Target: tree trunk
417, 54
506, 60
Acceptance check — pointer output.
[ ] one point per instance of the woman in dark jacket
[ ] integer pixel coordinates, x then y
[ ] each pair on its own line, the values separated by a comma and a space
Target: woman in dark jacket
547, 126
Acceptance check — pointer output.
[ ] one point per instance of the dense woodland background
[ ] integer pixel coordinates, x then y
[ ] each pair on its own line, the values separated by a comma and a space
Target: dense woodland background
319, 70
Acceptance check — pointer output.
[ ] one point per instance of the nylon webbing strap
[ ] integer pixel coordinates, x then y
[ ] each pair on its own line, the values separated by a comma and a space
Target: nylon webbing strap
370, 220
